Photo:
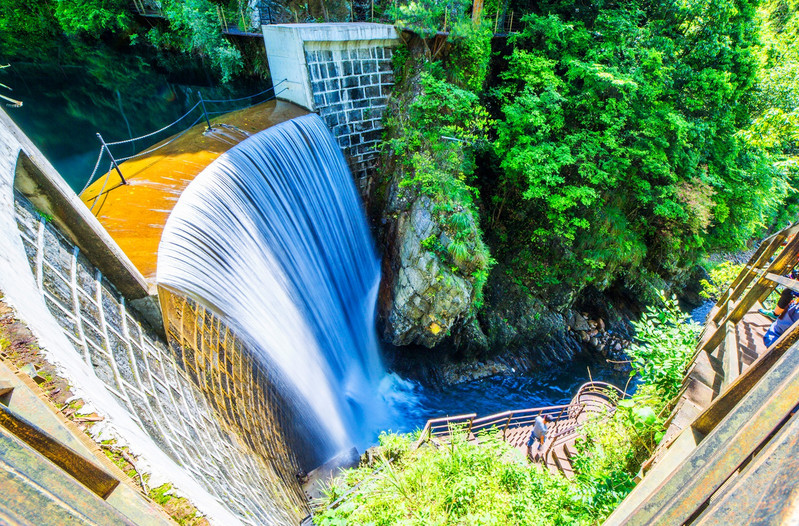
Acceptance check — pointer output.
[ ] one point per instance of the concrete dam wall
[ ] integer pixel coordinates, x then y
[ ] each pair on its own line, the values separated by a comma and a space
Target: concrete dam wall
192, 406
344, 72
172, 379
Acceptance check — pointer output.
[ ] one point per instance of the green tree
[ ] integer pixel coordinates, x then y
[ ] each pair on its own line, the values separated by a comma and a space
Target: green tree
775, 123
618, 148
92, 16
194, 27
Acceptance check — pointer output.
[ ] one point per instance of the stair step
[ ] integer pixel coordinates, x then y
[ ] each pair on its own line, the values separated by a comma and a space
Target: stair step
83, 470
563, 464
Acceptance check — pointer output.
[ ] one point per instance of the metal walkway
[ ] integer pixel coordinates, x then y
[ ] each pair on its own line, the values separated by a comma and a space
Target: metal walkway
593, 400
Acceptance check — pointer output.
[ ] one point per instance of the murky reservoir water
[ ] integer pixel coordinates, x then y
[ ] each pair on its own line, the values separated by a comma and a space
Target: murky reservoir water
119, 93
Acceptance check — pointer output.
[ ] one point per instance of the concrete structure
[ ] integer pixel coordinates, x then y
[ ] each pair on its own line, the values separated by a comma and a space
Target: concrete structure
41, 448
134, 214
40, 183
211, 424
342, 71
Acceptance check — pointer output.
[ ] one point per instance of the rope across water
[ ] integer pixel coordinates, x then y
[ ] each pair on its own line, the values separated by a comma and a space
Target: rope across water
105, 149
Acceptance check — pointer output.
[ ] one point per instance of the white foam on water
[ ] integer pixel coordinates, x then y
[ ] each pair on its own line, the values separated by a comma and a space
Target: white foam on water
272, 236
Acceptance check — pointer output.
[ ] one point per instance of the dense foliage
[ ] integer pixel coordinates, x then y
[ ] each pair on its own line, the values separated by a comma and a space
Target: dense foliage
618, 143
775, 123
194, 26
493, 484
665, 342
721, 276
37, 30
434, 129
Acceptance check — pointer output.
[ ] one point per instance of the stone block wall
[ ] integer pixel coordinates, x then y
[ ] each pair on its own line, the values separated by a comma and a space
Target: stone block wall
190, 411
344, 72
236, 384
351, 84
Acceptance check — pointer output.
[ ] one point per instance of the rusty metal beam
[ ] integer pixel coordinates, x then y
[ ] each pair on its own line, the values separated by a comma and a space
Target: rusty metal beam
86, 472
765, 491
688, 488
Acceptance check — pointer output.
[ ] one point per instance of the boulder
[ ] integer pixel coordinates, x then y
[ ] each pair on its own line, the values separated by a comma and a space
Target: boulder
425, 298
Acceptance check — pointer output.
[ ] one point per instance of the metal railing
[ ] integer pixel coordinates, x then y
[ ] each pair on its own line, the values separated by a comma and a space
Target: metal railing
775, 257
150, 142
504, 17
564, 416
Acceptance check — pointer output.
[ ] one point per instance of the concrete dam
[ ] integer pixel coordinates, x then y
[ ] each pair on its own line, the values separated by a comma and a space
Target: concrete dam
174, 294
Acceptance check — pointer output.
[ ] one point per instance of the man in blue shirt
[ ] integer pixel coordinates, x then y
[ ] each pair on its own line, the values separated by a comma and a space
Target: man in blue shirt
538, 434
782, 323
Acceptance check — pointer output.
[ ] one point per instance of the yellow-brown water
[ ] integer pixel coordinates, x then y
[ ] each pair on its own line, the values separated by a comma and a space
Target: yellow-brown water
134, 214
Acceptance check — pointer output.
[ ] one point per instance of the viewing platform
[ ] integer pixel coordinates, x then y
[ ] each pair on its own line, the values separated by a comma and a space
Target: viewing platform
134, 212
593, 400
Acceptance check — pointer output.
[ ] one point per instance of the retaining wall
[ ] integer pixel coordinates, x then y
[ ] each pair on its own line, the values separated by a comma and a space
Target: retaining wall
195, 410
342, 71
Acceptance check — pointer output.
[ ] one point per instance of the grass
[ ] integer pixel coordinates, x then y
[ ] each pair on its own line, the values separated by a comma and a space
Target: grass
493, 484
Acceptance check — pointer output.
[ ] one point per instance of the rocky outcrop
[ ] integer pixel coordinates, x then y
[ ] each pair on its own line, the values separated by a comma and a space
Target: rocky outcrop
598, 338
517, 322
423, 298
435, 262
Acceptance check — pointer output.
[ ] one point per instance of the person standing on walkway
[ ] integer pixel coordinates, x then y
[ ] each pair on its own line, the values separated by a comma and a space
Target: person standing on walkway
539, 434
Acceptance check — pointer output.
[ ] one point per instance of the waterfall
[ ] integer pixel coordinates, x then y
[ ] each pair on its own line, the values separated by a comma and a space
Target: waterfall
272, 236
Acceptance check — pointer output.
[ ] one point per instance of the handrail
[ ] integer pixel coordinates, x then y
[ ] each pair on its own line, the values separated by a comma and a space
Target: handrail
105, 148
761, 263
775, 256
442, 426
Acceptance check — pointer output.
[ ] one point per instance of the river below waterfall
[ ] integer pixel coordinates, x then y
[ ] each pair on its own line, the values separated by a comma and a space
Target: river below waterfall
495, 394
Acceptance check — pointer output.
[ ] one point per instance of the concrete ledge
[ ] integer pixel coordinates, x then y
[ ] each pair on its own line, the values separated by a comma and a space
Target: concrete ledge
34, 176
336, 32
285, 51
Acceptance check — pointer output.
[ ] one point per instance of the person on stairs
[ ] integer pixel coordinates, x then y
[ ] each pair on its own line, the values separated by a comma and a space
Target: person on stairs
787, 317
785, 298
538, 434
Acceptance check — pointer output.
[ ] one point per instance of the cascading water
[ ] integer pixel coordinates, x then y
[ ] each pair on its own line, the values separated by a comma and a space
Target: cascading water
272, 236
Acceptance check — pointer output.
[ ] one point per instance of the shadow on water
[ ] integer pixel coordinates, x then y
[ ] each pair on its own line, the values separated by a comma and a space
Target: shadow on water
119, 91
495, 394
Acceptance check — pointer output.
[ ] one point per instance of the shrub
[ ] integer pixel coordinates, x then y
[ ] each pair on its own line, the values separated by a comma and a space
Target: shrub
665, 343
721, 276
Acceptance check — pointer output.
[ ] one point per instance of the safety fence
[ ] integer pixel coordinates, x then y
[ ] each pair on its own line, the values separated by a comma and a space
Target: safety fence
591, 395
505, 17
110, 155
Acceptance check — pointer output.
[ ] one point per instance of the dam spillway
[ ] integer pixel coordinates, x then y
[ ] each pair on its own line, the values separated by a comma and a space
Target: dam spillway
91, 280
272, 237
135, 213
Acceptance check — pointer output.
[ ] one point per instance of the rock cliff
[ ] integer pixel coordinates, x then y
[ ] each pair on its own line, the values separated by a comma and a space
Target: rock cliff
424, 297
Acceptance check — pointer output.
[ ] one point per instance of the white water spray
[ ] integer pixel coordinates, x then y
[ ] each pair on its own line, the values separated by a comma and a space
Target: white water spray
272, 236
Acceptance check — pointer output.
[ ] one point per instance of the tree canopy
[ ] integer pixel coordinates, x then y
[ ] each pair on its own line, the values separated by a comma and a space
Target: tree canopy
619, 142
36, 29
